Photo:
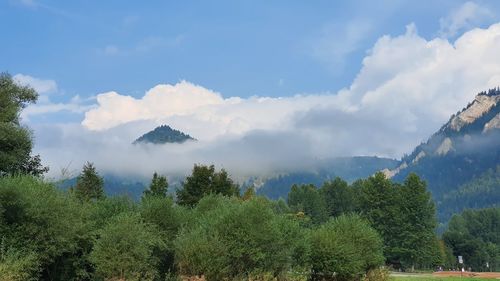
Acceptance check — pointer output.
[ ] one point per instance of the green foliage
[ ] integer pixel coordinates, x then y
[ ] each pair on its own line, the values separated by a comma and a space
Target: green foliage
167, 218
249, 193
124, 250
16, 266
231, 238
158, 186
348, 168
102, 211
417, 224
163, 134
205, 180
481, 192
475, 235
38, 226
15, 140
378, 202
339, 198
89, 185
345, 248
404, 215
306, 198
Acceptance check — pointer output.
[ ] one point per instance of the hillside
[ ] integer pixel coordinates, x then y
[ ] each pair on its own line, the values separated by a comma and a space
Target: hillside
462, 150
163, 134
348, 168
480, 192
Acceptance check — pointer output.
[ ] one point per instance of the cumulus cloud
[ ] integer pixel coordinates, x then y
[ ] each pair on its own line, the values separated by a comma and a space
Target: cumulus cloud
42, 86
406, 89
467, 16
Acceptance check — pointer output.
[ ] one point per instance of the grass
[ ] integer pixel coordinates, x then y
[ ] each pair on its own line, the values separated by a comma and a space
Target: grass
425, 277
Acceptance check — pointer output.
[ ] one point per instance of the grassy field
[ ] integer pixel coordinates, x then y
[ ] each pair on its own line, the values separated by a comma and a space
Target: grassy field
437, 278
431, 277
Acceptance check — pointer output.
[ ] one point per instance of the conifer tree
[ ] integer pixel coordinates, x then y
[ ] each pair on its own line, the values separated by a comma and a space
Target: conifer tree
158, 186
89, 185
418, 223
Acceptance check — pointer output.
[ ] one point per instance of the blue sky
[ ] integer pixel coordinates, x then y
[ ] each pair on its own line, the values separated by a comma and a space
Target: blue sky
239, 48
263, 85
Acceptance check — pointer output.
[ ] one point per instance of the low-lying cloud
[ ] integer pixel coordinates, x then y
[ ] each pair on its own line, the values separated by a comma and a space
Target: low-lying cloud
407, 88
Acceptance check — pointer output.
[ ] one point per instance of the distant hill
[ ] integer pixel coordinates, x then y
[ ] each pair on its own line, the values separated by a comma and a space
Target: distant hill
462, 151
348, 168
163, 134
114, 185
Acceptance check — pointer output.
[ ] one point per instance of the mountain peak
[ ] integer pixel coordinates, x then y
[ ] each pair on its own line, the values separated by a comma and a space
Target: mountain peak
475, 124
482, 104
163, 134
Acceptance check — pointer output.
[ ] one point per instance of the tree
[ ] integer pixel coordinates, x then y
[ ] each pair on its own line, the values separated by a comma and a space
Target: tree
345, 248
474, 235
418, 223
404, 215
306, 198
158, 186
15, 139
89, 185
339, 198
205, 180
379, 202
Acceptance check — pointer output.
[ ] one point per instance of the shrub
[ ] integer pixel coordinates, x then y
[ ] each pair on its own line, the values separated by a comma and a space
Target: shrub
124, 250
238, 239
345, 248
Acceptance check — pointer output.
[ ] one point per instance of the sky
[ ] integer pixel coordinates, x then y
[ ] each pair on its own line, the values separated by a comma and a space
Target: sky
264, 85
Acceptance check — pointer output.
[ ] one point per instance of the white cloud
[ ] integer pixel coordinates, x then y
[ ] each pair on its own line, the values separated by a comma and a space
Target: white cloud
49, 107
406, 89
45, 88
467, 16
42, 86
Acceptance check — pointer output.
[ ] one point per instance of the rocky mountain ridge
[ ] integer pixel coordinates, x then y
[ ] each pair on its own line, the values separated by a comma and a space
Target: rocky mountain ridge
476, 121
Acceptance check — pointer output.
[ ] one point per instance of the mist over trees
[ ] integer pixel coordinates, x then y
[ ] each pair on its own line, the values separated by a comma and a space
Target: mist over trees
337, 232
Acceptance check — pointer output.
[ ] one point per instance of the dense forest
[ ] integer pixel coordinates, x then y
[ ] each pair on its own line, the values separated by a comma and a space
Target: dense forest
210, 227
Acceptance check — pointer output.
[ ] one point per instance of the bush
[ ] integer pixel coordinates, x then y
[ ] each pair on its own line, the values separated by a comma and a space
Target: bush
124, 250
39, 220
161, 212
238, 239
345, 248
16, 266
378, 274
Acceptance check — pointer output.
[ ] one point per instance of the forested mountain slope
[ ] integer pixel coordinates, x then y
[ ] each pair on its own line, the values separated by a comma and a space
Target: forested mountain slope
462, 156
163, 134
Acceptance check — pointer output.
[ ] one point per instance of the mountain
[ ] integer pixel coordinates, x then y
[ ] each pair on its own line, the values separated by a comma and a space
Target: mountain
348, 168
163, 134
460, 153
480, 192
